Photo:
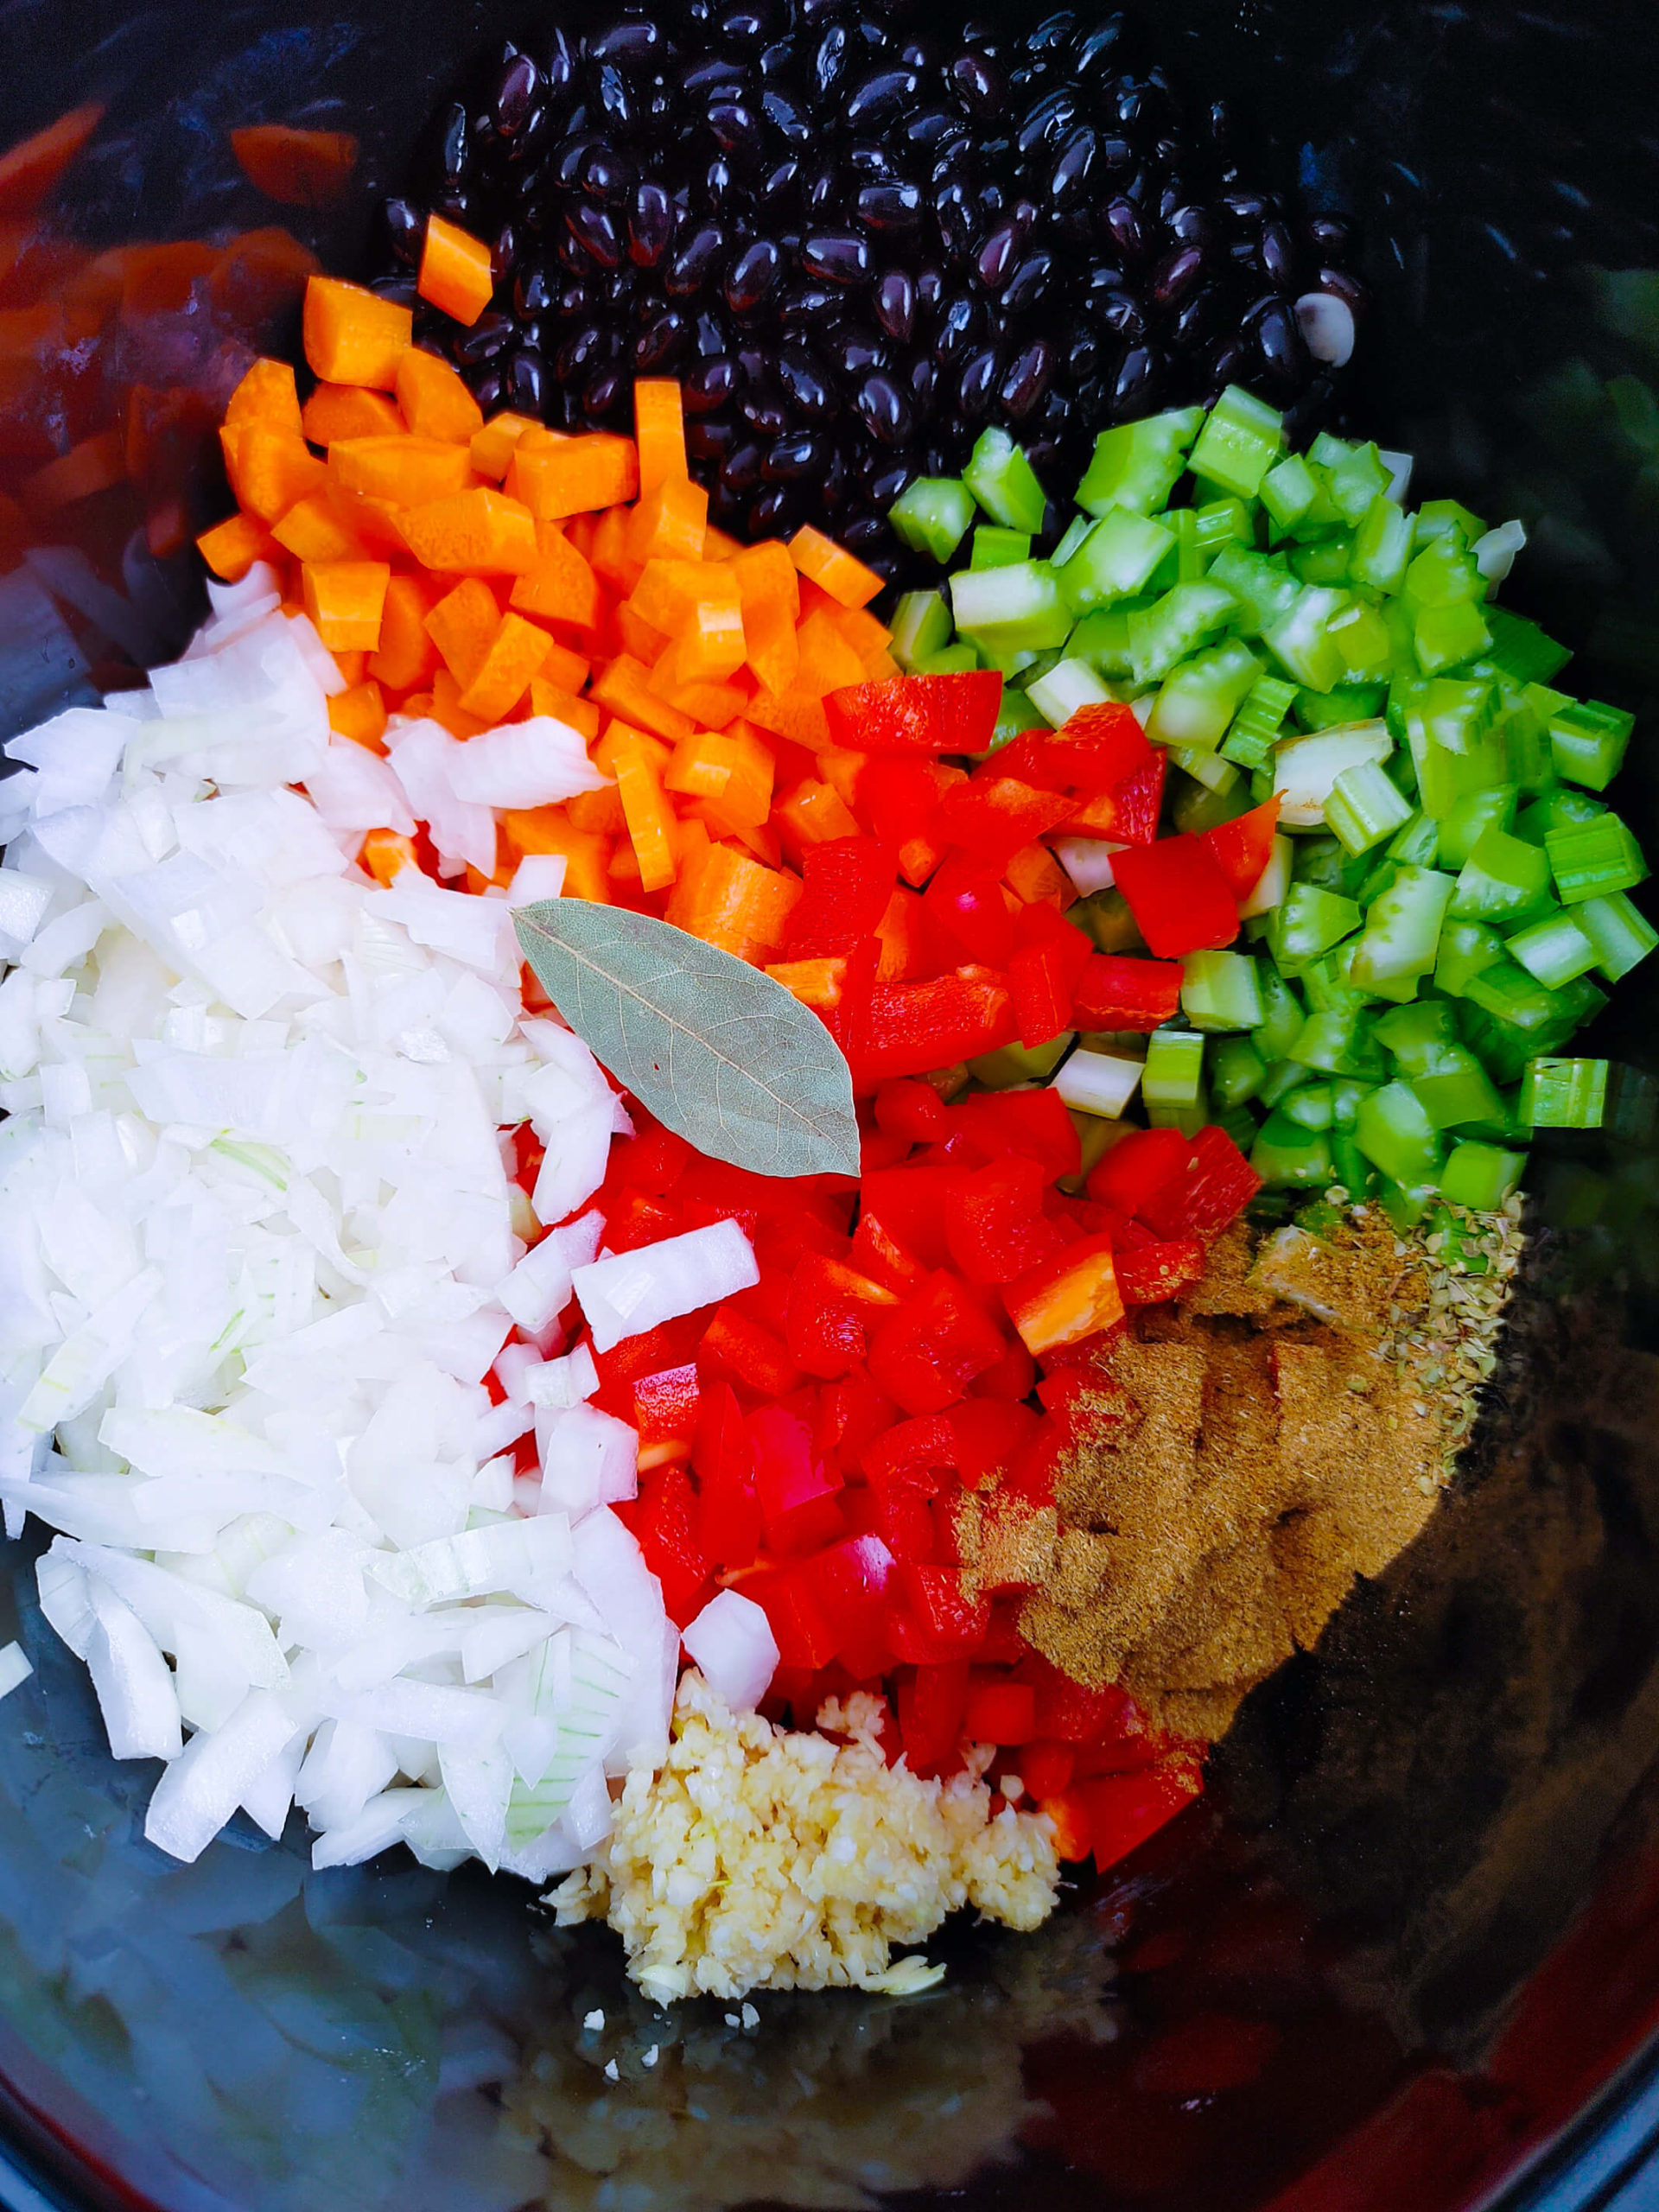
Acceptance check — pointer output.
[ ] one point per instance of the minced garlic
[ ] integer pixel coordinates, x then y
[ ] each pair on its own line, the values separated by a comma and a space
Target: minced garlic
760, 1858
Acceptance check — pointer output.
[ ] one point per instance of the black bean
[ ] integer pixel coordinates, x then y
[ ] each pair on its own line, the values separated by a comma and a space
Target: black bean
805, 381
596, 234
618, 102
1073, 164
606, 175
854, 353
651, 226
890, 207
752, 274
1127, 230
812, 305
883, 409
485, 340
794, 457
1096, 54
661, 344
1344, 285
709, 440
1028, 379
526, 372
1027, 285
764, 409
829, 62
895, 305
1330, 236
1047, 121
709, 385
876, 101
740, 470
977, 386
633, 44
691, 266
837, 257
710, 75
405, 230
604, 394
962, 322
454, 145
516, 89
1278, 340
977, 83
1175, 276
1138, 379
1278, 255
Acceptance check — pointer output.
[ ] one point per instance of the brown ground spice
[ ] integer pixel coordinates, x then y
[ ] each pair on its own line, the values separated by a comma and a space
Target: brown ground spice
1288, 1426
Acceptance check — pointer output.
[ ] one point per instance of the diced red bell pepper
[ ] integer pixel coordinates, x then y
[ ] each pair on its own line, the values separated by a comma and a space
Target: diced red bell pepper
636, 1218
1118, 991
1178, 896
912, 1029
926, 1352
993, 817
1087, 756
899, 1516
907, 1204
894, 799
932, 1702
805, 1638
1216, 1186
1125, 1810
852, 1414
665, 1408
935, 1621
722, 1456
909, 715
1242, 847
877, 1252
1048, 962
1012, 1377
1033, 1472
846, 884
999, 1711
991, 1434
1073, 1712
665, 1522
826, 1314
653, 1159
795, 1489
912, 1454
994, 1223
1045, 1767
1033, 1124
849, 1582
1068, 1816
1151, 1273
1128, 813
1136, 1169
964, 904
743, 1351
910, 1108
1073, 1295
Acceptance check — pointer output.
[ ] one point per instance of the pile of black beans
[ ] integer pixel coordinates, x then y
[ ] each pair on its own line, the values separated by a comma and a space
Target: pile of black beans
856, 245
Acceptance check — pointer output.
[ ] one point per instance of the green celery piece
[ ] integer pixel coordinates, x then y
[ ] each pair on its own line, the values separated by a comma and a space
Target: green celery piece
1418, 842
1175, 625
1471, 817
1135, 465
1065, 688
1223, 523
1621, 933
1103, 639
1016, 715
1460, 1092
1288, 491
1207, 792
1240, 439
1306, 923
1405, 1205
1383, 539
1015, 1063
1319, 859
1465, 949
1325, 562
1526, 737
1403, 929
1349, 703
1073, 534
1416, 1034
932, 514
1361, 636
1523, 649
1310, 1107
1446, 636
1016, 609
1005, 485
1190, 559
1563, 1094
1505, 881
1442, 518
1381, 873
1456, 713
1361, 476
1258, 722
1281, 1019
921, 625
1104, 918
1588, 742
1555, 810
1345, 1097
1441, 574
959, 659
1219, 991
1115, 561
993, 547
1506, 992
1395, 1134
1365, 805
1237, 1068
1554, 950
1350, 1167
1591, 860
1200, 696
1444, 778
1281, 1079
1239, 1123
1480, 1176
1174, 1072
1261, 583
1339, 1041
1289, 1157
1328, 983
1300, 639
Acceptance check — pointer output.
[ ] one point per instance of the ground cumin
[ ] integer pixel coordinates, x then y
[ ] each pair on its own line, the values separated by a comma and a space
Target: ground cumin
1250, 1451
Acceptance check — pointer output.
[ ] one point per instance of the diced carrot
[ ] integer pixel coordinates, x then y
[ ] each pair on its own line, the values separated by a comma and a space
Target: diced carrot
900, 933
735, 904
598, 813
623, 685
30, 169
407, 654
658, 431
622, 869
448, 710
344, 600
707, 644
462, 625
839, 767
387, 854
492, 446
671, 594
848, 581
360, 713
816, 984
91, 467
268, 395
313, 529
299, 169
549, 829
269, 470
757, 838
563, 706
868, 638
607, 549
160, 279
691, 845
718, 546
352, 335
793, 717
709, 704
571, 476
435, 401
231, 547
480, 531
1034, 875
405, 469
456, 275
668, 522
812, 814
378, 523
516, 652
826, 662
639, 638
354, 665
621, 733
701, 766
634, 759
349, 411
561, 586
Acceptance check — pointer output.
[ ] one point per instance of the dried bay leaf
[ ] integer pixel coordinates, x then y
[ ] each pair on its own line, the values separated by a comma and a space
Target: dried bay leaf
720, 1054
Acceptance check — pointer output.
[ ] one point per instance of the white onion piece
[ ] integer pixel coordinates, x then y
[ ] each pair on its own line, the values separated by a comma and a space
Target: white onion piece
535, 763
635, 1291
1327, 326
1273, 885
1087, 861
538, 876
1098, 1083
15, 1668
1495, 553
732, 1642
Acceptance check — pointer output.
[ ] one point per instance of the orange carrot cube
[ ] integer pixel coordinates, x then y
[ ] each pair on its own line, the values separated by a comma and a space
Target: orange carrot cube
352, 335
828, 663
570, 476
406, 470
387, 854
477, 530
297, 168
349, 411
231, 547
659, 430
448, 710
268, 395
344, 600
407, 654
549, 829
735, 903
624, 686
848, 581
563, 706
638, 638
758, 838
455, 275
269, 470
313, 529
710, 704
561, 586
462, 625
516, 652
650, 817
794, 716
812, 814
360, 713
492, 446
668, 522
435, 401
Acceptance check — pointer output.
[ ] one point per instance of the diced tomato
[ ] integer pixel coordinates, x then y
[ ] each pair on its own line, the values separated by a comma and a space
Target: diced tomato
1177, 895
1116, 990
1242, 847
1217, 1184
926, 1352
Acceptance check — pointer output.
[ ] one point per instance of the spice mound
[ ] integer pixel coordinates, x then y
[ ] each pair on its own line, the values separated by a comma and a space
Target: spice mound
760, 1858
1244, 1455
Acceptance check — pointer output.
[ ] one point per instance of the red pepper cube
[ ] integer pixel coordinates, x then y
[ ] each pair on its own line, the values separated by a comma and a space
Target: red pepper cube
848, 1584
804, 1638
852, 1415
1012, 1378
878, 1253
722, 1456
926, 1352
910, 1108
824, 1332
1067, 1297
902, 1518
966, 909
1178, 896
1092, 753
917, 714
913, 1028
1116, 990
995, 1224
1154, 1272
1068, 1818
1075, 1713
665, 1522
1217, 1184
1047, 964
797, 1491
1033, 1124
743, 1351
1132, 1173
905, 1205
653, 1159
846, 884
1125, 1810
993, 816
1138, 802
1242, 847
666, 1407
1045, 1767
1000, 1712
937, 1620
913, 1455
932, 1701
965, 708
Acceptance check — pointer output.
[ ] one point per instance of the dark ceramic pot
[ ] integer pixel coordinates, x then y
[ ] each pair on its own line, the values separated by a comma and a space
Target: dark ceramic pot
1404, 1957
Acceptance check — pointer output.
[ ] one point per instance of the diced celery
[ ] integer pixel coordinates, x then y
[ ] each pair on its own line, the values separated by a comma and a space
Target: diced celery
1338, 1041
1456, 713
1322, 861
1013, 1063
1310, 1107
1588, 742
1349, 703
1289, 491
1403, 929
1563, 1094
1205, 766
1446, 636
1016, 715
1115, 561
1281, 1079
1174, 1070
1282, 1017
993, 547
1383, 545
1300, 639
921, 625
1175, 625
1016, 609
1223, 523
1005, 485
1306, 768
1258, 722
1554, 950
1592, 860
932, 514
1237, 1068
1444, 519
1523, 649
1073, 534
1200, 696
1393, 1132
1242, 438
1261, 583
1103, 639
1418, 842
1460, 1093
1474, 812
1361, 637
959, 659
1509, 994
1287, 1157
1098, 1083
1219, 992
1620, 933
1480, 1175
1465, 949
1363, 806
1444, 778
1555, 810
1505, 881
1325, 562
1135, 465
1356, 480
1067, 686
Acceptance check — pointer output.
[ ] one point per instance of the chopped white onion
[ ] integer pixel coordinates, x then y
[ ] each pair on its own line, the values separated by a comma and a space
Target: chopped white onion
1098, 1083
635, 1291
1495, 553
1327, 326
1087, 861
732, 1642
1273, 885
